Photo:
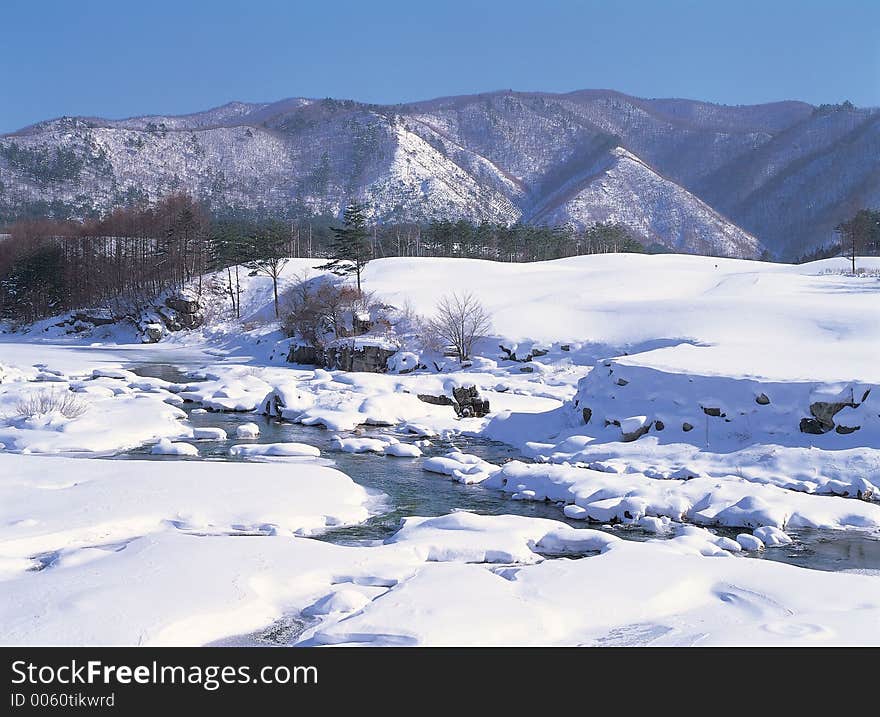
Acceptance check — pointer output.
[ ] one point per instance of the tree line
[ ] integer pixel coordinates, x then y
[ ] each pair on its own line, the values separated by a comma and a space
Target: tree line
857, 236
129, 257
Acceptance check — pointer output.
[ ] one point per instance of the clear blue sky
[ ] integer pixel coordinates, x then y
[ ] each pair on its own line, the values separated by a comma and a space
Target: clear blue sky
122, 58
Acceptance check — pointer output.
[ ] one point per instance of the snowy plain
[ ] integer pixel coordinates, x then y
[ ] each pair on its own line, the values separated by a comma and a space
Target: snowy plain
661, 392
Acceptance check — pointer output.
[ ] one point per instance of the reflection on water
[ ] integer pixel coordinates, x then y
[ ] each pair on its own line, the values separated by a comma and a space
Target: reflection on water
829, 550
412, 491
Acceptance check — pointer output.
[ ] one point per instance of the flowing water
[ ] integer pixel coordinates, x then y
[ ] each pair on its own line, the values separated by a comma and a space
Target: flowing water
411, 491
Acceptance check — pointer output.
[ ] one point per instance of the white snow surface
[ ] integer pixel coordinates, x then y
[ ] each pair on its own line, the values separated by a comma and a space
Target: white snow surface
697, 372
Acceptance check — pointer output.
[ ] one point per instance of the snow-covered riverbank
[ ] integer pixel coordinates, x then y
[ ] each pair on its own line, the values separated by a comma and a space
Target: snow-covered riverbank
700, 425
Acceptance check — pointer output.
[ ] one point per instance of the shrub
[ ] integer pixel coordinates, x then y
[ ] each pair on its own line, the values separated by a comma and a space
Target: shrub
41, 403
318, 311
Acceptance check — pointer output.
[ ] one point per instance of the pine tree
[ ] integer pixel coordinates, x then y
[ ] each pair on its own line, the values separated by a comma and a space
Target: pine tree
350, 246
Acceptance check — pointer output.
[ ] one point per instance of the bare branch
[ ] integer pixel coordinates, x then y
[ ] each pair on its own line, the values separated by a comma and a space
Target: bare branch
460, 321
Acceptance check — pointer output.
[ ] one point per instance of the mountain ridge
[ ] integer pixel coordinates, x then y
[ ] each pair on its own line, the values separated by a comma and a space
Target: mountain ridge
701, 177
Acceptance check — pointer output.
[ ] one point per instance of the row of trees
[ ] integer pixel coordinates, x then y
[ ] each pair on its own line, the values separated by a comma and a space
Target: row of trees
129, 256
127, 259
133, 255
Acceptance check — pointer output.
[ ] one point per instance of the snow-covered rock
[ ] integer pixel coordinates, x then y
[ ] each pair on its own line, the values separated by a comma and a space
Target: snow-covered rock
402, 450
209, 434
461, 467
166, 447
274, 449
247, 430
749, 542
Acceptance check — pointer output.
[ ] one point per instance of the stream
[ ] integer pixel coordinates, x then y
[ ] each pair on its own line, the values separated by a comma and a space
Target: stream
411, 491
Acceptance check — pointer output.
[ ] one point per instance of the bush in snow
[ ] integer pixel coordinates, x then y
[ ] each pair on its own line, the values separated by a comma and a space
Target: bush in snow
319, 311
460, 321
42, 403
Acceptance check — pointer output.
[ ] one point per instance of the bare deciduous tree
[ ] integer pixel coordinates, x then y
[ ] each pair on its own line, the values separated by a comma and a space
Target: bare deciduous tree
460, 321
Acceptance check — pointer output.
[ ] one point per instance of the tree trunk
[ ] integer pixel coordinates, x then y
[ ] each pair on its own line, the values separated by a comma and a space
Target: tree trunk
237, 294
231, 290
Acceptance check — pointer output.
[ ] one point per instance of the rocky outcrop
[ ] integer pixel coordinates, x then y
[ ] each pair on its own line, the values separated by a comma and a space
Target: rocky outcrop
87, 319
181, 311
358, 357
176, 312
305, 354
344, 355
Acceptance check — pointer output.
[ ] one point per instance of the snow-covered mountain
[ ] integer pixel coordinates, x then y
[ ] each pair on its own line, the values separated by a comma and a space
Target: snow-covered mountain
689, 175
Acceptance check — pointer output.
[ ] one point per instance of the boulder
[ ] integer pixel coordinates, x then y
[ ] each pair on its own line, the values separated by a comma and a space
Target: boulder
823, 413
813, 426
465, 400
152, 333
844, 430
469, 403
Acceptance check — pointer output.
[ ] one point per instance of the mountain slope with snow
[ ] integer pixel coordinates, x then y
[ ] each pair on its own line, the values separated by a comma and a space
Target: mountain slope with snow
728, 172
623, 189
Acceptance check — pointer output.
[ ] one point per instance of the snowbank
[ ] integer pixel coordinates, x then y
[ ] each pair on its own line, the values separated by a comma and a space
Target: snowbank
626, 497
459, 579
49, 504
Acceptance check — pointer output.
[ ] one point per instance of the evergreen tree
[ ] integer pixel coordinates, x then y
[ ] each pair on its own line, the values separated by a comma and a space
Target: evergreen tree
350, 245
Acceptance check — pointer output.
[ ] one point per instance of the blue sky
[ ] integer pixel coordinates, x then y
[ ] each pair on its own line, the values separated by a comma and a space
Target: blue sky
122, 58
